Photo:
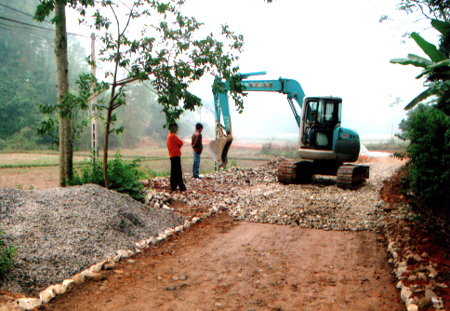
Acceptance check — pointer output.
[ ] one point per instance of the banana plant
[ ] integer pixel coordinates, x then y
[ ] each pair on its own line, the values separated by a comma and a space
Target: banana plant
438, 62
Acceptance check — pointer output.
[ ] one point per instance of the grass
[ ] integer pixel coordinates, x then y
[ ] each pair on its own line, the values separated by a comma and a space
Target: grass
388, 146
11, 160
154, 161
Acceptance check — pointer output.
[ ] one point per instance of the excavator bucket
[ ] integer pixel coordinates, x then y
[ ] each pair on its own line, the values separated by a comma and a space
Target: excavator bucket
218, 149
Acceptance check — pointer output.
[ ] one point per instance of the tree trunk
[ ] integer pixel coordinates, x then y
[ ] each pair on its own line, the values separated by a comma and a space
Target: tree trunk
62, 85
105, 147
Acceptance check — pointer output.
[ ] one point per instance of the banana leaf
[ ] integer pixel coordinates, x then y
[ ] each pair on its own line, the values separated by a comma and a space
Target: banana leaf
443, 100
430, 49
421, 97
423, 73
414, 60
444, 63
441, 26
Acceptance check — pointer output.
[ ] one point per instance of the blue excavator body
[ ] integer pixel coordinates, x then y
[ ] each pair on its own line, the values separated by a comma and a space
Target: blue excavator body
324, 145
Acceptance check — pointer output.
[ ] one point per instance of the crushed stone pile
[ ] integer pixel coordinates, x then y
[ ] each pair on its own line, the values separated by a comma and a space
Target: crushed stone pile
60, 232
256, 195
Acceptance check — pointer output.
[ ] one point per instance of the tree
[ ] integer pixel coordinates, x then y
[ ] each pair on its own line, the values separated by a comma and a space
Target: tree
436, 69
62, 87
167, 52
427, 127
26, 72
431, 9
62, 84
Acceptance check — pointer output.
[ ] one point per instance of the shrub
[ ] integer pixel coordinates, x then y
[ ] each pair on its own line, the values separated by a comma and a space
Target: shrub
266, 148
6, 254
123, 176
428, 129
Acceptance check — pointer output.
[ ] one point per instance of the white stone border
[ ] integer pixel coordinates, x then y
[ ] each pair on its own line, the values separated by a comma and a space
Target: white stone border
93, 272
426, 272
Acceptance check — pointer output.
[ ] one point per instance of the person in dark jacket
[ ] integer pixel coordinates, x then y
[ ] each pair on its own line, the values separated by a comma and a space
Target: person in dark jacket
174, 145
197, 147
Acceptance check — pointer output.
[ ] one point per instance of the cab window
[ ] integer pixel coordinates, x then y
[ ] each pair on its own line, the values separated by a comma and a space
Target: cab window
329, 110
312, 111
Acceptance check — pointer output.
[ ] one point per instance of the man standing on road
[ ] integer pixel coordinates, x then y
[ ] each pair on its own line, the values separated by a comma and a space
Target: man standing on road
197, 146
174, 145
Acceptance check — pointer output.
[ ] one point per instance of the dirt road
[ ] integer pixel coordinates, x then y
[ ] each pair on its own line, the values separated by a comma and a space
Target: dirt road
220, 264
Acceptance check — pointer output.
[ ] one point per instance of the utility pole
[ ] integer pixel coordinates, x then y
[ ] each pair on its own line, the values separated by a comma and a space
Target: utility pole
93, 102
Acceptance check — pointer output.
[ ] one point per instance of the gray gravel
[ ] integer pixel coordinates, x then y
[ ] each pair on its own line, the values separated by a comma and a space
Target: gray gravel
60, 232
255, 195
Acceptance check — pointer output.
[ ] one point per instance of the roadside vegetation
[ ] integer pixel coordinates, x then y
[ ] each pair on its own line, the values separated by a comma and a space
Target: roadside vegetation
124, 177
427, 126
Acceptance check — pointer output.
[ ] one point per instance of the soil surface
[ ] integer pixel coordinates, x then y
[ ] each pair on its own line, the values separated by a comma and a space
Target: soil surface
30, 177
222, 264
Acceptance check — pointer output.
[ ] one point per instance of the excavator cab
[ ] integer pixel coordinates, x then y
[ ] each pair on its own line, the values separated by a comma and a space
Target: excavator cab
321, 117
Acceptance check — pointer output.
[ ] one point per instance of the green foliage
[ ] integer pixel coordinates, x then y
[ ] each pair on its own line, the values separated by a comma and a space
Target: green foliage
436, 69
167, 51
25, 140
72, 106
28, 73
233, 163
124, 177
439, 9
428, 129
151, 173
6, 254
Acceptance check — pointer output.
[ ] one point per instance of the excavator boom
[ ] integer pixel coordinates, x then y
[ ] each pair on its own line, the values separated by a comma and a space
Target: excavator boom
219, 147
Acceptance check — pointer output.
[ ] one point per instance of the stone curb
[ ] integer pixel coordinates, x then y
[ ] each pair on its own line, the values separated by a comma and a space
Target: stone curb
93, 272
402, 258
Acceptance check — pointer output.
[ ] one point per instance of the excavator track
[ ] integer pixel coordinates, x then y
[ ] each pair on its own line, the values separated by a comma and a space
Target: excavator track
352, 176
290, 172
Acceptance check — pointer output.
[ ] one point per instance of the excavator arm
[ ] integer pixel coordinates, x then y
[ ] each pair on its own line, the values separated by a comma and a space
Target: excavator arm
219, 147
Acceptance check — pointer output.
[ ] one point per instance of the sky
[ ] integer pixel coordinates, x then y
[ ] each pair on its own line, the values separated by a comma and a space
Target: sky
330, 47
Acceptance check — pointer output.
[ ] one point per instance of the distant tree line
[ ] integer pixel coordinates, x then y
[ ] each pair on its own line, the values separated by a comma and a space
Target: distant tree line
28, 79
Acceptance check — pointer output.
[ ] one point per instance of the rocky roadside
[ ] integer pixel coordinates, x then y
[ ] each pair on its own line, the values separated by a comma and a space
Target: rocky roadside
418, 253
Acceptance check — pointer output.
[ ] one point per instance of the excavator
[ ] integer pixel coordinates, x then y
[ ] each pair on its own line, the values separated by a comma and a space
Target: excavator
325, 148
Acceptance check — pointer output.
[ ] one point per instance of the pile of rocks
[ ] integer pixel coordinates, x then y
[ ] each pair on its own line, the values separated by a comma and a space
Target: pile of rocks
255, 195
60, 232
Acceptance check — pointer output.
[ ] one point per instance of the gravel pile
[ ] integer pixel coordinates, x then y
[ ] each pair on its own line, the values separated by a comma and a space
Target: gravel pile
60, 232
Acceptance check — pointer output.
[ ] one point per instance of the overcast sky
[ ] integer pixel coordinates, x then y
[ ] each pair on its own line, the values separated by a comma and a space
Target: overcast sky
330, 47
